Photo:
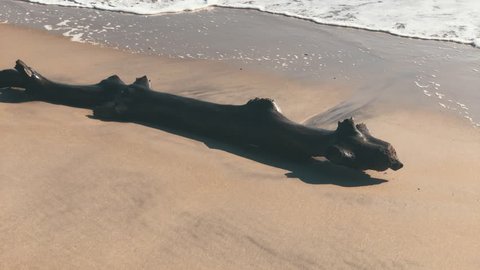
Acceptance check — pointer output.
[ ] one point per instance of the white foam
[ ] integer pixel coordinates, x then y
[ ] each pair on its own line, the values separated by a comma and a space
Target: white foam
63, 23
439, 95
76, 37
145, 7
421, 86
453, 20
453, 105
476, 42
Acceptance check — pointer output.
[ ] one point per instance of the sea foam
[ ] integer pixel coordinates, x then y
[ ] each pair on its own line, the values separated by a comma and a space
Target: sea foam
449, 20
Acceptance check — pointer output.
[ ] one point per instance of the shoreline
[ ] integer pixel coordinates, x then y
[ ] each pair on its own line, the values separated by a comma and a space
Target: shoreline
286, 14
351, 104
472, 44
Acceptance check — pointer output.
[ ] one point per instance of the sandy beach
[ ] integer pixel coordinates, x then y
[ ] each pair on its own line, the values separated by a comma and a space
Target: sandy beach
79, 193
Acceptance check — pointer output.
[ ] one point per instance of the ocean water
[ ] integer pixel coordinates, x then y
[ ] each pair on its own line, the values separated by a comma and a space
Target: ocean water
451, 20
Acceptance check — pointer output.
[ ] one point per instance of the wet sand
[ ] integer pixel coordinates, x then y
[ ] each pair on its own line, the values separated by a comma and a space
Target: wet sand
85, 194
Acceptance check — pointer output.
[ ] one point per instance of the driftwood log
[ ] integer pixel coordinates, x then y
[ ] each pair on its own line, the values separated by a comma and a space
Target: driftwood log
257, 123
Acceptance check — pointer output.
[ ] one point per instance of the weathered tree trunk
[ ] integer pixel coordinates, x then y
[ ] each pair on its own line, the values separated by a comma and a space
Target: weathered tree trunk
85, 96
11, 78
257, 123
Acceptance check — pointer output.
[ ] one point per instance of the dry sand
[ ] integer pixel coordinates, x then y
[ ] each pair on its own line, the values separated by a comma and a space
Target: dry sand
78, 193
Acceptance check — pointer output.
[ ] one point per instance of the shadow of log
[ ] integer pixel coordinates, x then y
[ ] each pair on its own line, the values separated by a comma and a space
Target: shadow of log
310, 171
